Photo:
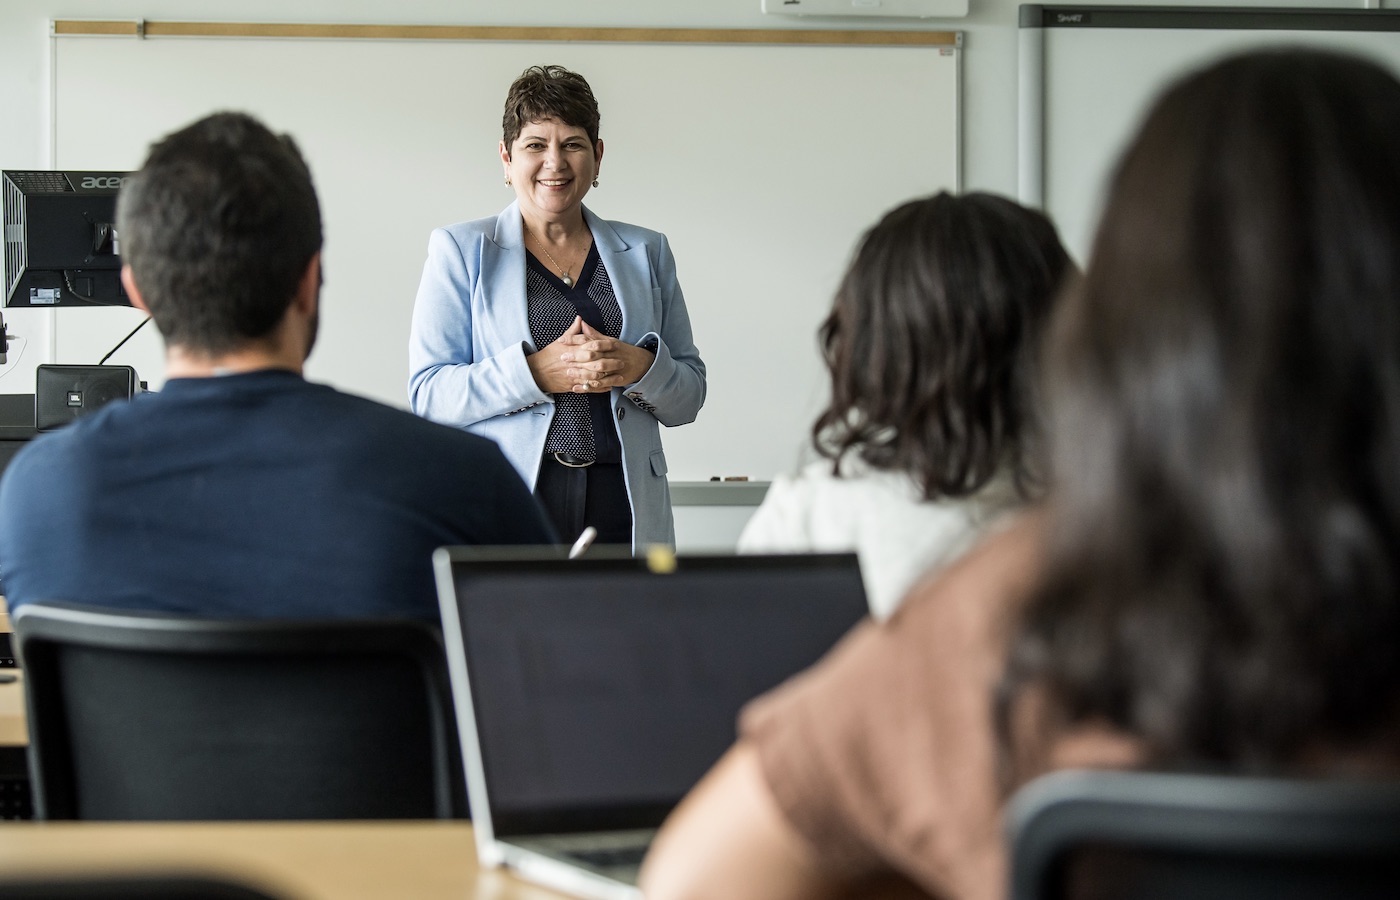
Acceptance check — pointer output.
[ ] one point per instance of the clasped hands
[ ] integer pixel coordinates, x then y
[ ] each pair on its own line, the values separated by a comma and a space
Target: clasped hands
585, 361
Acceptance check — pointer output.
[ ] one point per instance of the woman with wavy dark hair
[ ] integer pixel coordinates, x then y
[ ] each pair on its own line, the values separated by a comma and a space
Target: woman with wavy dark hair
1223, 577
1214, 580
927, 440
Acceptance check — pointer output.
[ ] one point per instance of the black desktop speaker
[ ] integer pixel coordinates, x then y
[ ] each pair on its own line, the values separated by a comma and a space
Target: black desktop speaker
63, 393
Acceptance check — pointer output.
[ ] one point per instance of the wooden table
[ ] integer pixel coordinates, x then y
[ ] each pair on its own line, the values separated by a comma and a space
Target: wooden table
14, 732
294, 860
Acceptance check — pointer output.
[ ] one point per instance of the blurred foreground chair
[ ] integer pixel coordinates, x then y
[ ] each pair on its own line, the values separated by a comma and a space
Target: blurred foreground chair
136, 716
1153, 836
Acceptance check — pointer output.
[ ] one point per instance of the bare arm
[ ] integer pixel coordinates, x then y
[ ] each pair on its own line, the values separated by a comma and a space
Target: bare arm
728, 839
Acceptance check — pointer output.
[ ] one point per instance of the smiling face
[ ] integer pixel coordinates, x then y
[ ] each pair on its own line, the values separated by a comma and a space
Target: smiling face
551, 166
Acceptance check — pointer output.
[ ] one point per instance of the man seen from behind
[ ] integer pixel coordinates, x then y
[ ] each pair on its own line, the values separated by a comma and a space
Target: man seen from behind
241, 489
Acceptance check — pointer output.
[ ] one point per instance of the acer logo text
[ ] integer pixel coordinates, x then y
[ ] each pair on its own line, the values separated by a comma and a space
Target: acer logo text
102, 181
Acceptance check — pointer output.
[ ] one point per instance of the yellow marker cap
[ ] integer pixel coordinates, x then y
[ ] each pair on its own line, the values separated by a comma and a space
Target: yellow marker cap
661, 559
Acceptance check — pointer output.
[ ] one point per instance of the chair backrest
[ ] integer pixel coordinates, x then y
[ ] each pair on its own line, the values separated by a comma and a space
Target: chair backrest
139, 716
1153, 836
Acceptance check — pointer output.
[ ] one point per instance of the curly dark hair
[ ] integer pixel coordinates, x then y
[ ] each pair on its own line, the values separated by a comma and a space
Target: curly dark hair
931, 340
1223, 565
218, 227
549, 92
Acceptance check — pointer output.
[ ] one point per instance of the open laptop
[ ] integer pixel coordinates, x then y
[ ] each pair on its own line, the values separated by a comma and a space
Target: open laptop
593, 693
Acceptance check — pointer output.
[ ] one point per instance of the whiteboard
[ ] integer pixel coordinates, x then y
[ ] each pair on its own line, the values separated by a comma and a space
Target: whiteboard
1088, 75
761, 163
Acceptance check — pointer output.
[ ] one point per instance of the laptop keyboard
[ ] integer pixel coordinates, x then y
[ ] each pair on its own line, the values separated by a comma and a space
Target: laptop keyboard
610, 857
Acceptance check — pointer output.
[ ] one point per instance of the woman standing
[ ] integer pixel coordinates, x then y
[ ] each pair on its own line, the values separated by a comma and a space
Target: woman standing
559, 335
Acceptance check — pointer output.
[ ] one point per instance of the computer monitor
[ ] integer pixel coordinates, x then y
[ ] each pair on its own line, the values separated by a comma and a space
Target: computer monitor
61, 246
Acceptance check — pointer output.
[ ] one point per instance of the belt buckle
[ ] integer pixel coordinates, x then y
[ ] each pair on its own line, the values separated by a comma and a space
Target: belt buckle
563, 460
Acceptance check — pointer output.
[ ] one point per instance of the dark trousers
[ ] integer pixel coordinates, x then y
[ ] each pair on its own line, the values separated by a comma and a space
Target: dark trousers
575, 498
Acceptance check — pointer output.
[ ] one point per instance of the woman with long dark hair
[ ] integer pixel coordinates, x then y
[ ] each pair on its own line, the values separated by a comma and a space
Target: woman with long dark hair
1212, 582
1223, 574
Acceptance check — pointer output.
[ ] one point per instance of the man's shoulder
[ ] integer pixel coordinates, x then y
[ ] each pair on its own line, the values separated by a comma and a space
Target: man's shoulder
61, 449
378, 420
45, 486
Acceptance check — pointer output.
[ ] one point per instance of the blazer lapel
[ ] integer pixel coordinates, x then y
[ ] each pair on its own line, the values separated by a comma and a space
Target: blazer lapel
503, 277
630, 274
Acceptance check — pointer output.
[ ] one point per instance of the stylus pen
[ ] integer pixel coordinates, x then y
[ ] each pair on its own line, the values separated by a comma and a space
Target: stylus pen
584, 541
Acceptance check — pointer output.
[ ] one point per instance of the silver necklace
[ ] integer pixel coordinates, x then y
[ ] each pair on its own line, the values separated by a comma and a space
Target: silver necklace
564, 273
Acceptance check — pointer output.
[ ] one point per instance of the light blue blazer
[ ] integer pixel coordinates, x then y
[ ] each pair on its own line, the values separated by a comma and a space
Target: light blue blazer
471, 334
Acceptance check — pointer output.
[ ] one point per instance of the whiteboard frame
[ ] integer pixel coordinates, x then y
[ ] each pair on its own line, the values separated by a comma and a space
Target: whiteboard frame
143, 28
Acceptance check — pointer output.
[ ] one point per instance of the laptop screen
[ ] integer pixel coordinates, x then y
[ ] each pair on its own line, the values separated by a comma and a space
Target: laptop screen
602, 691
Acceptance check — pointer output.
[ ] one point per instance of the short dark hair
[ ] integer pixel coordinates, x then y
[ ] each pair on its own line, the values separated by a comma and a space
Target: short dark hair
930, 344
1223, 572
218, 227
549, 92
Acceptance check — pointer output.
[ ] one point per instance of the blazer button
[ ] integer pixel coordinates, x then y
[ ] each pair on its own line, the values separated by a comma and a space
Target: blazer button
621, 411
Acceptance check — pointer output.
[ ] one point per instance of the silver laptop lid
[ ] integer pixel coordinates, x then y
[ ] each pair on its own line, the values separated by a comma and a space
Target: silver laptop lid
593, 693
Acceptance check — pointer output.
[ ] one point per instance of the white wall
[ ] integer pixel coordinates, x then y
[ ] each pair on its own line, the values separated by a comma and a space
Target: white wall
989, 108
990, 62
990, 69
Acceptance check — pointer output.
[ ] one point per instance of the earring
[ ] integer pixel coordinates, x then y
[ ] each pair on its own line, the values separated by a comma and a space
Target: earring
507, 181
595, 182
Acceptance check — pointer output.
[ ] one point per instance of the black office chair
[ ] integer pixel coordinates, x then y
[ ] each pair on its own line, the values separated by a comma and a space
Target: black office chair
138, 716
1154, 836
128, 887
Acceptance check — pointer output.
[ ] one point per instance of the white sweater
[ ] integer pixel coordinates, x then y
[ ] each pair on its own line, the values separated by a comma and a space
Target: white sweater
897, 535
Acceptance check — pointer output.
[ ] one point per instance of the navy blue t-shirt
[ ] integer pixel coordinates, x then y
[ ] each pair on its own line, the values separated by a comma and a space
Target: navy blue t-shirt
256, 494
